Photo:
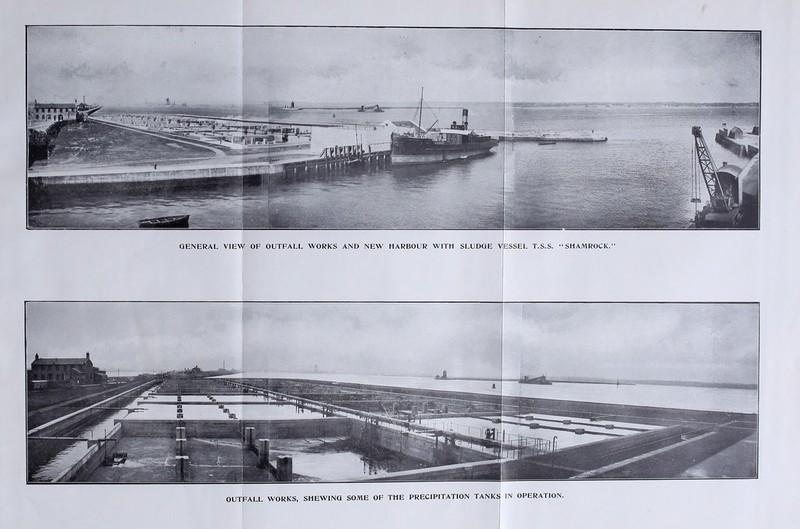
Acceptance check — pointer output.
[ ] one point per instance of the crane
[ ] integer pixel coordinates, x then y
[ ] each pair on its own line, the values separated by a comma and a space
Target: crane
721, 197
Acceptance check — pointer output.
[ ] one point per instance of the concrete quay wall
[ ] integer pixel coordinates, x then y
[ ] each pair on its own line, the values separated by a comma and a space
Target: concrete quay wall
300, 428
71, 421
480, 470
99, 452
563, 464
185, 176
50, 412
254, 173
576, 460
676, 458
40, 450
226, 429
746, 147
416, 447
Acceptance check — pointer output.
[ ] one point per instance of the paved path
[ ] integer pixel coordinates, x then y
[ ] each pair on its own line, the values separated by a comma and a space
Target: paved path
172, 137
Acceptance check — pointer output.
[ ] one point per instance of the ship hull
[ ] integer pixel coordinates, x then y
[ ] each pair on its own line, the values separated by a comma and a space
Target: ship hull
410, 151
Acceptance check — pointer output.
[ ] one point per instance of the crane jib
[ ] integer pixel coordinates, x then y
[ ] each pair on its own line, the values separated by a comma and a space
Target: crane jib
717, 193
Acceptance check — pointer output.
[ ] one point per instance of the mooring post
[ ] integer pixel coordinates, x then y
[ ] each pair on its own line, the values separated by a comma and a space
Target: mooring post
263, 453
284, 469
181, 464
249, 433
180, 440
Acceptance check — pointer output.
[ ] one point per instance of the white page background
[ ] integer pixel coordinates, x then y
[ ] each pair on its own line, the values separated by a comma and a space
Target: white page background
644, 266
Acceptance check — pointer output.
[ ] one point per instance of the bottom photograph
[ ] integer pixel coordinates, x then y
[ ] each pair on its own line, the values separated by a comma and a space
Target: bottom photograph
271, 392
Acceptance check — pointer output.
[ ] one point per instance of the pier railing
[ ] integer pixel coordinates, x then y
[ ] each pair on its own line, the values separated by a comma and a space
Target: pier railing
510, 445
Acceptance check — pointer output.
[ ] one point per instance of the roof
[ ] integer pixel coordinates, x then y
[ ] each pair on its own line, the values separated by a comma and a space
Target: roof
59, 361
54, 105
405, 124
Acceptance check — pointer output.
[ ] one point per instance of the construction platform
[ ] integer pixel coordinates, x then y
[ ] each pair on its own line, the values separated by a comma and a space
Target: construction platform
223, 430
744, 144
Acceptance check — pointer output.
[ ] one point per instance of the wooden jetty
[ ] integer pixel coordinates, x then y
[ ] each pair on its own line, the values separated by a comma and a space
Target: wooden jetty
339, 159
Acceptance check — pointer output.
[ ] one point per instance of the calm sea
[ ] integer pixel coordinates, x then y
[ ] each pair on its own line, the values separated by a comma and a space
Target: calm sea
640, 178
684, 397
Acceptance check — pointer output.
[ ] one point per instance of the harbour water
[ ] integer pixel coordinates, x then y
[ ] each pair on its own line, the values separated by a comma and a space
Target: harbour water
639, 178
661, 396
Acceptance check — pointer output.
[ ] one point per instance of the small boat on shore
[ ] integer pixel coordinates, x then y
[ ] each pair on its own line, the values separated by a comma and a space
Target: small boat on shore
547, 142
175, 221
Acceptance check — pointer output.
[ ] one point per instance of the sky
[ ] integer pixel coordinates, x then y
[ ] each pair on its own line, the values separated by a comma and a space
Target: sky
687, 342
231, 65
690, 342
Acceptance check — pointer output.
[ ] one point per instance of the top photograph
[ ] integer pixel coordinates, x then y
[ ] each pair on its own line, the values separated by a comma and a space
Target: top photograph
391, 128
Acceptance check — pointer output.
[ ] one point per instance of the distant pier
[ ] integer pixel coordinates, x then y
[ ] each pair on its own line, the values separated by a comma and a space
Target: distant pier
552, 137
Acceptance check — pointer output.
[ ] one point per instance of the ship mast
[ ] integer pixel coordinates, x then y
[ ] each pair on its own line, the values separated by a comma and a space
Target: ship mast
419, 126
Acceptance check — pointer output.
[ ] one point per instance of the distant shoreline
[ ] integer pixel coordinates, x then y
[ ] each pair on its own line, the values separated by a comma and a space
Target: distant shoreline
312, 106
560, 380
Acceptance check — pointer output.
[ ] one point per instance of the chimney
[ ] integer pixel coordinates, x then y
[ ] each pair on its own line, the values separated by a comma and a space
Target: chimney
37, 356
87, 355
464, 114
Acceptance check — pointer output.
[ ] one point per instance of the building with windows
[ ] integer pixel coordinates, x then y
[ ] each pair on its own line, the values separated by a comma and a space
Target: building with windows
52, 112
68, 371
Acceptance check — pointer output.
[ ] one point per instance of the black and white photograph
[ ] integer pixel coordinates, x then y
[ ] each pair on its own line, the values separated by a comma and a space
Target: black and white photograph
459, 263
258, 392
393, 128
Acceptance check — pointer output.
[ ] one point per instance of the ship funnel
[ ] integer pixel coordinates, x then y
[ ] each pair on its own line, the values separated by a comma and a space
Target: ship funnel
464, 116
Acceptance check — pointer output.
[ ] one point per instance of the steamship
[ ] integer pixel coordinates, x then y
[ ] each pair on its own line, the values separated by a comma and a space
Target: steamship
439, 145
